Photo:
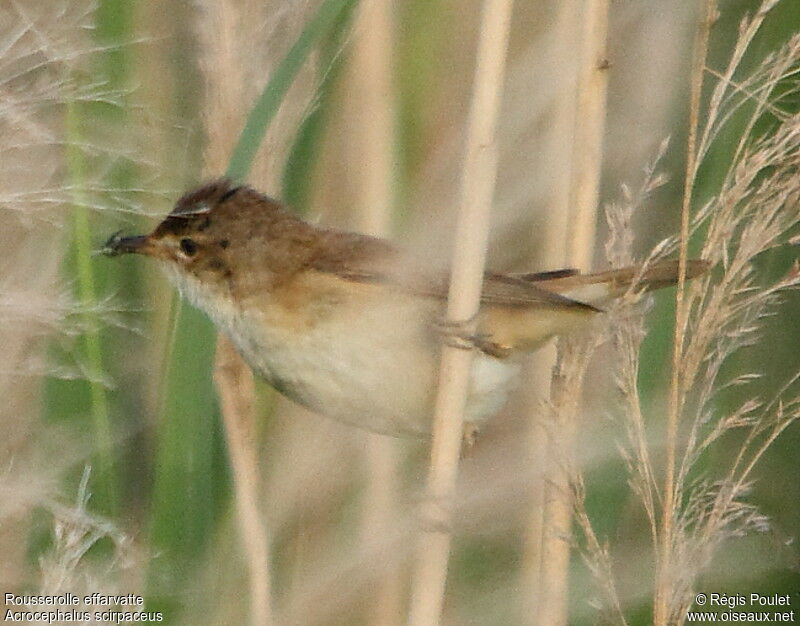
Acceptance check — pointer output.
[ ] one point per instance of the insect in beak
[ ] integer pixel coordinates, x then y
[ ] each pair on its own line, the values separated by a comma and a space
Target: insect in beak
117, 244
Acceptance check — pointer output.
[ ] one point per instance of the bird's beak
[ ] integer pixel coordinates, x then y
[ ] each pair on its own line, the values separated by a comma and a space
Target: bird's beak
117, 245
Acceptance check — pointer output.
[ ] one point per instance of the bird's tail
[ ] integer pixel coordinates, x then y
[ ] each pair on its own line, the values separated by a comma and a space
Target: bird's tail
601, 287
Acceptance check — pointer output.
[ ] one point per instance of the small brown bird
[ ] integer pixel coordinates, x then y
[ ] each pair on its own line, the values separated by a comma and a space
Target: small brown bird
342, 323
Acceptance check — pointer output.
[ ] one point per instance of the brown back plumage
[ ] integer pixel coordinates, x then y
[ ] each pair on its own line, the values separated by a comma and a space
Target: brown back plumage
259, 232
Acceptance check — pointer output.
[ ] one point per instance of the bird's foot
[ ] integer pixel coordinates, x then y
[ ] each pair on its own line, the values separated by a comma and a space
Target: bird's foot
458, 333
461, 334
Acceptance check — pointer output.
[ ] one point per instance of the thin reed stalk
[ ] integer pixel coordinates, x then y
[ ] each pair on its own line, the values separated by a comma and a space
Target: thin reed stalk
469, 255
582, 197
663, 575
236, 390
372, 149
587, 146
374, 99
224, 33
562, 130
552, 254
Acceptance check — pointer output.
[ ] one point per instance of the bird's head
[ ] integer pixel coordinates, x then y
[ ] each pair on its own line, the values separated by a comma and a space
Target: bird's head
217, 233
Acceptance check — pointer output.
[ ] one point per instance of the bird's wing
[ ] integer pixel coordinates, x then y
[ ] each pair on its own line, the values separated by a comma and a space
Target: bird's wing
364, 259
520, 312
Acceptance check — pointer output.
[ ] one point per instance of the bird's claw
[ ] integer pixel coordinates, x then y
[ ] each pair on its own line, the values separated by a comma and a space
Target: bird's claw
461, 334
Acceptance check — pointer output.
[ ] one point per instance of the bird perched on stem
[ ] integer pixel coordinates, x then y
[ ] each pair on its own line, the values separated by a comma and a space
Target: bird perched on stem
344, 324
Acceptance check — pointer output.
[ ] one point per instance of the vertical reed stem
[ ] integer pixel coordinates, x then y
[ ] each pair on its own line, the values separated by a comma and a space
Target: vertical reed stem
228, 89
551, 527
373, 102
587, 148
552, 254
235, 386
472, 229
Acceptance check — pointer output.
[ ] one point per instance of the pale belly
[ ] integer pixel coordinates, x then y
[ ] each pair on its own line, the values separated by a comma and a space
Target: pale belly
374, 367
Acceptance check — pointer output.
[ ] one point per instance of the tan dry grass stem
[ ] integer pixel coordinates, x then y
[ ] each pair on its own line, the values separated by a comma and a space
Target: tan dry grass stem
587, 145
471, 240
223, 33
558, 437
554, 246
371, 99
698, 65
237, 403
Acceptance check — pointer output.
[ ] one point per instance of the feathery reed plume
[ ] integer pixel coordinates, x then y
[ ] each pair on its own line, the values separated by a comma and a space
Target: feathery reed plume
64, 566
43, 51
753, 211
626, 329
471, 239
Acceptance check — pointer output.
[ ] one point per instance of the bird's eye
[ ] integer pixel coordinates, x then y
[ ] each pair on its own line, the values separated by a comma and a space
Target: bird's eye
188, 247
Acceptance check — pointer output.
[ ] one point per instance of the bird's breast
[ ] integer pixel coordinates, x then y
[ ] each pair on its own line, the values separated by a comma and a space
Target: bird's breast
364, 354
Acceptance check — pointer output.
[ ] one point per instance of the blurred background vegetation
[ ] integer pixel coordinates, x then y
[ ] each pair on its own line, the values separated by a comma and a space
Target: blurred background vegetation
102, 113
